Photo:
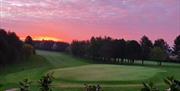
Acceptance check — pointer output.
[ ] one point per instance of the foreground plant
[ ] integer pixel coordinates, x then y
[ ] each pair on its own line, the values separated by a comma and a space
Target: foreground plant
93, 87
45, 82
149, 87
174, 85
25, 85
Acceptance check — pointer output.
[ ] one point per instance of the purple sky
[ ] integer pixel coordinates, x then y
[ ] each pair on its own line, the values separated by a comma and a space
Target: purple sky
81, 19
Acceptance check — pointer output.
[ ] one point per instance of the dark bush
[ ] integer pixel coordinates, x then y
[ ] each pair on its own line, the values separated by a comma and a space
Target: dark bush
25, 85
45, 82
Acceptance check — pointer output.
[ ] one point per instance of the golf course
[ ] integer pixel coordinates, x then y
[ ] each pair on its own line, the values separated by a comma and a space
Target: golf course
71, 73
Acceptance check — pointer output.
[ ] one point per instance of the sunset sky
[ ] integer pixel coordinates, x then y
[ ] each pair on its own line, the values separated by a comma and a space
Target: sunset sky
66, 20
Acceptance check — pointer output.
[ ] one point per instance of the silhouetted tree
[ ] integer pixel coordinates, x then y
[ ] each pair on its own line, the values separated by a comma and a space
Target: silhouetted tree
177, 46
158, 54
109, 50
16, 46
29, 40
94, 48
119, 46
161, 44
133, 50
51, 45
146, 46
106, 50
4, 50
79, 48
10, 48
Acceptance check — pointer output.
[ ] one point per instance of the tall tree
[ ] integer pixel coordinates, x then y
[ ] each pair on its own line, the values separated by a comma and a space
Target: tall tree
119, 49
29, 40
158, 54
4, 50
106, 50
146, 46
133, 49
16, 46
177, 46
79, 48
161, 43
11, 48
94, 48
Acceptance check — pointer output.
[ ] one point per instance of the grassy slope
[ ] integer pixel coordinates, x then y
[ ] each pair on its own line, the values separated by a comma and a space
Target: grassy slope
36, 66
59, 60
32, 68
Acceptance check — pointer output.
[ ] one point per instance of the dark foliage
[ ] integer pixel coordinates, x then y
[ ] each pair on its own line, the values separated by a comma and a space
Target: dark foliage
107, 50
11, 48
120, 52
146, 46
29, 40
79, 48
177, 46
51, 45
174, 85
133, 50
45, 82
25, 85
93, 87
161, 43
149, 87
158, 54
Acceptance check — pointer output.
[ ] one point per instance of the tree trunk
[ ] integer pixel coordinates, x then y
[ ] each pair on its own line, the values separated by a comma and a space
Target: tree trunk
122, 60
160, 63
142, 61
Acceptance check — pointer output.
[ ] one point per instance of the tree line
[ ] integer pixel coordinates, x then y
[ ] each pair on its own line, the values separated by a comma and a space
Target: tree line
12, 49
101, 49
109, 50
50, 45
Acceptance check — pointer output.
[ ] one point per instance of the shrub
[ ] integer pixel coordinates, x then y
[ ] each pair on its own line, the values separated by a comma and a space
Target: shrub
45, 82
93, 87
25, 85
174, 85
149, 87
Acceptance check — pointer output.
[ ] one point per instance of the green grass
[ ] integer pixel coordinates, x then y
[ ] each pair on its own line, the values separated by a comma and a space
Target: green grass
60, 60
71, 73
100, 72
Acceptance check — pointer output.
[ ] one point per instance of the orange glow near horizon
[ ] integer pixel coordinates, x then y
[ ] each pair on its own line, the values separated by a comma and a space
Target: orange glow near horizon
45, 38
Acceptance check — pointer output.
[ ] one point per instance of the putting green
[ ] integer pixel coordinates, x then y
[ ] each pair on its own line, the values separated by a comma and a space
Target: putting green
105, 73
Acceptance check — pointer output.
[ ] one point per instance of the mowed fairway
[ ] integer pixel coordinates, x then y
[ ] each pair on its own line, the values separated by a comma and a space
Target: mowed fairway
71, 73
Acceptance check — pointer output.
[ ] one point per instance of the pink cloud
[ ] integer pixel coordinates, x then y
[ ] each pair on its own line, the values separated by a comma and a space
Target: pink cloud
81, 19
